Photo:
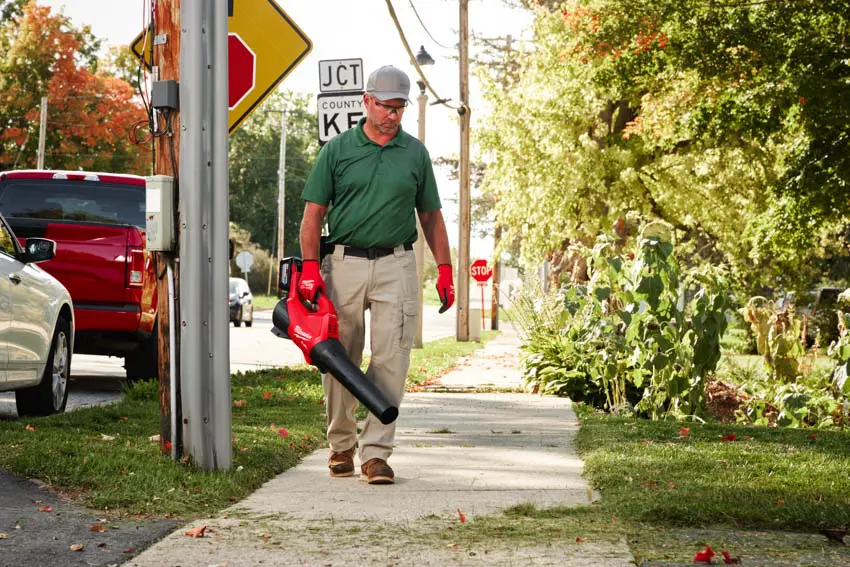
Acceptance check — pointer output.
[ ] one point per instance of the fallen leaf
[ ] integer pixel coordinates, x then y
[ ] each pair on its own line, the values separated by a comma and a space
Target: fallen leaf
97, 528
30, 427
267, 395
461, 516
129, 550
47, 508
283, 432
101, 545
239, 403
730, 437
77, 547
813, 436
704, 556
154, 438
123, 418
105, 437
168, 445
780, 502
684, 431
647, 442
728, 559
746, 438
579, 539
195, 532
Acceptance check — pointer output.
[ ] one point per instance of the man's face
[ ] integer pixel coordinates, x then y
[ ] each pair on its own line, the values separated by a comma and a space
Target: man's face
384, 115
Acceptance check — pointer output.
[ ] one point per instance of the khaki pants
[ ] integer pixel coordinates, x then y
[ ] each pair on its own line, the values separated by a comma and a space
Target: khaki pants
388, 288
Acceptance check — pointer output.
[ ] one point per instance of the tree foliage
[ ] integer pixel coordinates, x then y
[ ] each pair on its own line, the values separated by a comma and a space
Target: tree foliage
90, 113
254, 159
726, 120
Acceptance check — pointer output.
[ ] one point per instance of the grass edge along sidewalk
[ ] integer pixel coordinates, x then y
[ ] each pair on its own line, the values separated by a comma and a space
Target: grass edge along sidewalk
107, 458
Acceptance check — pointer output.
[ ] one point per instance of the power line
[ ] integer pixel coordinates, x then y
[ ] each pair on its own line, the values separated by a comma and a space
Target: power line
440, 100
424, 27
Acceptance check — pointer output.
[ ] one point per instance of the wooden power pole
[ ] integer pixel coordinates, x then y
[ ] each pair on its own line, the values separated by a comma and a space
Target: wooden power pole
463, 170
166, 65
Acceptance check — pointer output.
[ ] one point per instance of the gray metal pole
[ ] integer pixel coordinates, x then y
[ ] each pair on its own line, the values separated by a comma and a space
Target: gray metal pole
204, 357
42, 133
419, 247
281, 190
220, 260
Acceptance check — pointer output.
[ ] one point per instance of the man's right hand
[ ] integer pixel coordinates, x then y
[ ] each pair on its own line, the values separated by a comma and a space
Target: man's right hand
311, 282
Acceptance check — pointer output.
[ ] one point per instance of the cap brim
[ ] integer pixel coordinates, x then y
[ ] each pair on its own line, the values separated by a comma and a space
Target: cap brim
388, 95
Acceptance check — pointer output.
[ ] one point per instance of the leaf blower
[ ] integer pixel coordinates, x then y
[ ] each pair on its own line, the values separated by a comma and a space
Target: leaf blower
314, 329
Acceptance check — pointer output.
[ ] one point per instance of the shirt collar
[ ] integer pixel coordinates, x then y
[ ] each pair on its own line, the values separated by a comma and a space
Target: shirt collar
363, 140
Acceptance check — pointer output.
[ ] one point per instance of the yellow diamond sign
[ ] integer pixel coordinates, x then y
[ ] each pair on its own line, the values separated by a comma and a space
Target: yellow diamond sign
264, 46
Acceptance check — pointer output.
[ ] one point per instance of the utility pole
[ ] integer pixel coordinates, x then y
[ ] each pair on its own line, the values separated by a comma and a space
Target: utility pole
463, 170
204, 221
281, 191
166, 59
42, 133
419, 247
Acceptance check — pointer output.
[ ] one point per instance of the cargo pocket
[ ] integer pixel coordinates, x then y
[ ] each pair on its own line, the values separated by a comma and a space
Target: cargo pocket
409, 319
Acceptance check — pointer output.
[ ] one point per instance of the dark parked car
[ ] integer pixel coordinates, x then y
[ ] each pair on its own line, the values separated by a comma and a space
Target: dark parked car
241, 303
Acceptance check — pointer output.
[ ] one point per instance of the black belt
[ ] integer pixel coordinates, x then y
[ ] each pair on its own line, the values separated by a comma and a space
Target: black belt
371, 253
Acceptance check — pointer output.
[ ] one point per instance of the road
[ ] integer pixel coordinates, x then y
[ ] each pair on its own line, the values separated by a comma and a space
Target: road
98, 380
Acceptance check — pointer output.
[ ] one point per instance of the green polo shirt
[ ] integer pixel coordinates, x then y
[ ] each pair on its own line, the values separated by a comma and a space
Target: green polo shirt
372, 192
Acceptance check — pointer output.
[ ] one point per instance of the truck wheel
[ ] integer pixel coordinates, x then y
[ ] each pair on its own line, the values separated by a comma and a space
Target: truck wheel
51, 394
143, 363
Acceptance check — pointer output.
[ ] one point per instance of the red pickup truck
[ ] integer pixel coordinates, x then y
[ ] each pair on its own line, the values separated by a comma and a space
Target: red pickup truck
97, 221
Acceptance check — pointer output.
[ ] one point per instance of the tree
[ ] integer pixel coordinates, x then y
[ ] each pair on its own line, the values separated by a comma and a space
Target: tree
725, 120
90, 114
254, 158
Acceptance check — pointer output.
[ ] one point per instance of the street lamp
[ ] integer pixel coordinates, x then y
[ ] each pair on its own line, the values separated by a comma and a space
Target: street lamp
422, 58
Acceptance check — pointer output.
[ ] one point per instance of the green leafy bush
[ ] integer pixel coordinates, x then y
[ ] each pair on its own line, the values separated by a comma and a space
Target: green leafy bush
638, 336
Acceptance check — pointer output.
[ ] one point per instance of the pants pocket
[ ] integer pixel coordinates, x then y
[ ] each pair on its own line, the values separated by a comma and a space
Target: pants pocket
409, 324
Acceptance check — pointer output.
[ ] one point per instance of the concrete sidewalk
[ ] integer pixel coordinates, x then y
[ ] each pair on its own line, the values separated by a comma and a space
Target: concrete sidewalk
474, 452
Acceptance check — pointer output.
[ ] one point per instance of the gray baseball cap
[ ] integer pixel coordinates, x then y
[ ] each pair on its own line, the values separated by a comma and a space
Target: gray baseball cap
388, 83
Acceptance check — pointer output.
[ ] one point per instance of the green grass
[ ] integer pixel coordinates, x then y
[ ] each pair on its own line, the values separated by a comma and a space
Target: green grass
265, 301
104, 457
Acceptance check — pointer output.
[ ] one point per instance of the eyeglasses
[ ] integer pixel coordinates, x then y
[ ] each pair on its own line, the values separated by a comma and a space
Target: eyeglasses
389, 108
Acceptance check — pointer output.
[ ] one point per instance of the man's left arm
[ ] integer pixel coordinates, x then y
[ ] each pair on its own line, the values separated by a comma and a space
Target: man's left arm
434, 228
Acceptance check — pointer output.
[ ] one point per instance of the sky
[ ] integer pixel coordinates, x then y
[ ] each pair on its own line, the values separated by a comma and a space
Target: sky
348, 29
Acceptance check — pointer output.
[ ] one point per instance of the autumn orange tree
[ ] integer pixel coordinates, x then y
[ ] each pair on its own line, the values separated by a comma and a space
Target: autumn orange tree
91, 113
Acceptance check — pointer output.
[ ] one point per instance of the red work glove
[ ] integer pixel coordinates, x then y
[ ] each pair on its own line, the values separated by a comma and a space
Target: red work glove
445, 286
311, 282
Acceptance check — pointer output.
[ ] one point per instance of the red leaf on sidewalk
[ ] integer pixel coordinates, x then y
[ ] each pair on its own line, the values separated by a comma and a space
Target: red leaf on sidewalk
461, 516
728, 559
196, 532
47, 508
704, 556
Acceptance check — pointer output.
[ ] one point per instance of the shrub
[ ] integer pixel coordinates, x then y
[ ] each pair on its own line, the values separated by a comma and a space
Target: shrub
636, 336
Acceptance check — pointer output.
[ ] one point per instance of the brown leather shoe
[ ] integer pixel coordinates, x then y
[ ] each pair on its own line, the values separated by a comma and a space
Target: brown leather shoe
377, 471
342, 464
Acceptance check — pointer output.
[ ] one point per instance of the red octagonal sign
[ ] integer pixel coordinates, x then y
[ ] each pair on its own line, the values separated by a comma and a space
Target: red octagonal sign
481, 272
242, 70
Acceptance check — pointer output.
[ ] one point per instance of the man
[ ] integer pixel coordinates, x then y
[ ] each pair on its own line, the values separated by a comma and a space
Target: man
371, 181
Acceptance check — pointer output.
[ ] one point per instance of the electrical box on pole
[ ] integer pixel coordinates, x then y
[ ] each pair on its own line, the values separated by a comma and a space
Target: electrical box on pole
159, 213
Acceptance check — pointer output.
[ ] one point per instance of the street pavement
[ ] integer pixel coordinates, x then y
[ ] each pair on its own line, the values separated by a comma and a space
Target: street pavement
458, 452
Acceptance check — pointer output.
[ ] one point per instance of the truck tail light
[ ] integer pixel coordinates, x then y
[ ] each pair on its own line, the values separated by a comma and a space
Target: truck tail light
135, 268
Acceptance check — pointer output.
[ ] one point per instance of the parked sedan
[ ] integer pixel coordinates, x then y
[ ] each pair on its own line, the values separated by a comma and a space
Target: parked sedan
36, 326
241, 303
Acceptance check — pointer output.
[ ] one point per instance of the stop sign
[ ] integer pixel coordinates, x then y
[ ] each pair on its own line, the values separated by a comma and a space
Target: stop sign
480, 271
242, 70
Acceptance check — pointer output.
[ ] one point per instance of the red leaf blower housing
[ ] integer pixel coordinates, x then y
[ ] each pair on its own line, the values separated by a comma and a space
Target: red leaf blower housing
314, 329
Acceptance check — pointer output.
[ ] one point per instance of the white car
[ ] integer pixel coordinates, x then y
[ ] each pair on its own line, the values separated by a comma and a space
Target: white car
36, 326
